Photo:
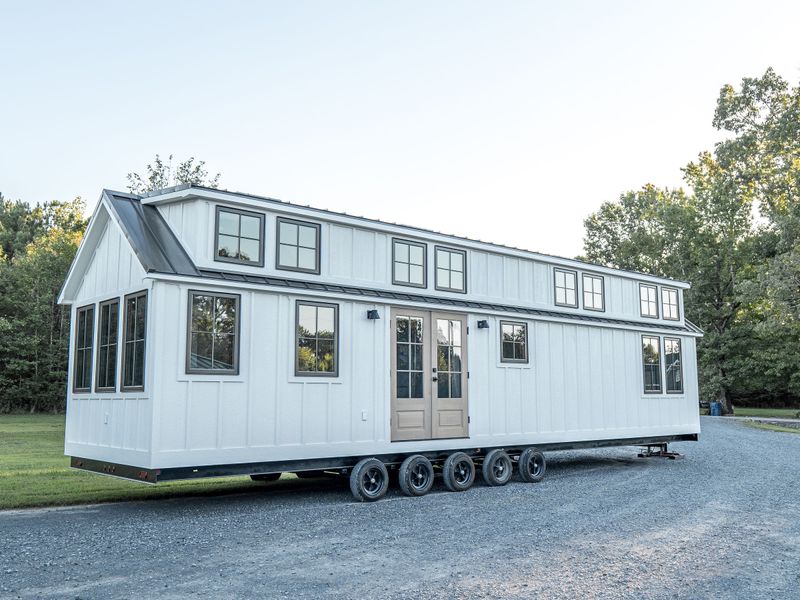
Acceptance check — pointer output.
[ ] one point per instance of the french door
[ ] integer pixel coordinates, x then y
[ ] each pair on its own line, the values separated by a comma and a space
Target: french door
429, 375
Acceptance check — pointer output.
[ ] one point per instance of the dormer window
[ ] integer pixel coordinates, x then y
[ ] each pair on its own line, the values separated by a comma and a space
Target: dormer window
566, 287
298, 246
239, 237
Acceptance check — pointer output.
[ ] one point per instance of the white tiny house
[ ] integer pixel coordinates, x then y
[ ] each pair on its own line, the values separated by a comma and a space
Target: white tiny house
223, 333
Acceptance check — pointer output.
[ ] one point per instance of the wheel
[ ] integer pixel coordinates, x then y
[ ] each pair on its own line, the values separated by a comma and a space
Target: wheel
497, 468
369, 480
531, 465
266, 477
458, 472
416, 476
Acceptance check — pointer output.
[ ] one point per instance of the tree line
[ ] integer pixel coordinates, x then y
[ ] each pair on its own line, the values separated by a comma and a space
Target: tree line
37, 245
733, 233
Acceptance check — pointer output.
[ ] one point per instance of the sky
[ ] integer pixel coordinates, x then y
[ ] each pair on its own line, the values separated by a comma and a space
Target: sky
508, 122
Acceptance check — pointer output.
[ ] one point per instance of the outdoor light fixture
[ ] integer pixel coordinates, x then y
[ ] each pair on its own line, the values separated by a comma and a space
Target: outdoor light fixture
373, 314
483, 324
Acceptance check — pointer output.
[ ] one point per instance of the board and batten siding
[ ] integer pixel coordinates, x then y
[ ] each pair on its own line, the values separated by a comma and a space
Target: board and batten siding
362, 255
582, 383
117, 425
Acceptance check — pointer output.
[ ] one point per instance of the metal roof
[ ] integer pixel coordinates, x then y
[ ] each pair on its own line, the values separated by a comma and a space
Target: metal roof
149, 235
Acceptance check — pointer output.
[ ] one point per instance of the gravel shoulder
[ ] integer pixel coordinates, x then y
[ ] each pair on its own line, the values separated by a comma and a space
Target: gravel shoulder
722, 522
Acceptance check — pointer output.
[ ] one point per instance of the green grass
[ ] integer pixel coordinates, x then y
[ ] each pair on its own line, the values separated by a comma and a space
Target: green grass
782, 413
35, 472
771, 427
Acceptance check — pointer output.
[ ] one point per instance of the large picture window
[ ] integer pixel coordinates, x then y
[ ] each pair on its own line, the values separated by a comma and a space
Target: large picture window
648, 300
240, 237
593, 293
107, 336
84, 343
317, 340
651, 361
451, 270
408, 263
566, 284
514, 341
669, 304
673, 365
133, 342
213, 333
298, 246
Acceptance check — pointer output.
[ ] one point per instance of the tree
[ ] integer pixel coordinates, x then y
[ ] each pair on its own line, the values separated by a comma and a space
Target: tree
745, 274
159, 175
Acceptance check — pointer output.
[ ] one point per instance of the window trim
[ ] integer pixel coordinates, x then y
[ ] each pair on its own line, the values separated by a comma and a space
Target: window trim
602, 291
655, 287
660, 391
336, 357
438, 287
555, 287
236, 332
680, 357
317, 254
75, 388
677, 303
424, 247
515, 361
97, 388
261, 242
122, 386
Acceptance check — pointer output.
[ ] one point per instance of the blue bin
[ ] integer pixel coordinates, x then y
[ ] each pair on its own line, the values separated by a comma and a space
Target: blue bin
715, 409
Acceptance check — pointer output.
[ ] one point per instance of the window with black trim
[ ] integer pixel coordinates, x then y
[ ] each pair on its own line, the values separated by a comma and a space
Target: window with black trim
316, 340
213, 344
593, 296
84, 344
451, 270
648, 300
566, 284
239, 236
669, 304
133, 341
673, 365
298, 246
514, 342
409, 263
651, 363
107, 340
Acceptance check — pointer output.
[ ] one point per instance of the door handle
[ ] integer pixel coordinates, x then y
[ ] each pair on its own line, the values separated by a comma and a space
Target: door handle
435, 378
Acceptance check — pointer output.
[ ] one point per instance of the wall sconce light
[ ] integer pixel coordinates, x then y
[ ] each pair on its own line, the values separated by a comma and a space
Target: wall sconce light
483, 324
373, 314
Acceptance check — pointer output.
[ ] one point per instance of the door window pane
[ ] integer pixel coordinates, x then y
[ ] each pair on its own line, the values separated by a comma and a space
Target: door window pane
409, 350
213, 332
448, 358
450, 270
298, 246
317, 339
240, 236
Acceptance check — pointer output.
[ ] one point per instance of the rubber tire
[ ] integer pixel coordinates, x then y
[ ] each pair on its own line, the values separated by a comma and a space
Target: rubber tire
357, 483
266, 477
406, 473
449, 475
488, 468
528, 456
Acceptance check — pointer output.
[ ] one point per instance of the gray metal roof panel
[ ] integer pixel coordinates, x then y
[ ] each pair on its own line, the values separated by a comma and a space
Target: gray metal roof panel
153, 242
272, 281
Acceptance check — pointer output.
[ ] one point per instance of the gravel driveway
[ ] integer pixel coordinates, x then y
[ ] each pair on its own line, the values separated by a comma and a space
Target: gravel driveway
723, 522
